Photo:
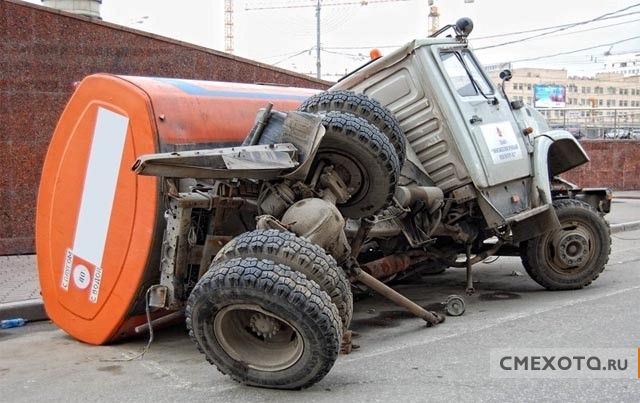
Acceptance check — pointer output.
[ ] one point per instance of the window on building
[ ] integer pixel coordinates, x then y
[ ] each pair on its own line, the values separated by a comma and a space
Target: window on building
600, 102
515, 86
529, 87
529, 101
520, 86
620, 102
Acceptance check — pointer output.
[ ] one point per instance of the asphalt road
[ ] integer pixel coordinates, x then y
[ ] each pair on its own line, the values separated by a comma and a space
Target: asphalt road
398, 360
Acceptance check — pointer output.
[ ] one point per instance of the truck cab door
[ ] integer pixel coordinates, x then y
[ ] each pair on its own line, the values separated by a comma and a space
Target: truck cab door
487, 133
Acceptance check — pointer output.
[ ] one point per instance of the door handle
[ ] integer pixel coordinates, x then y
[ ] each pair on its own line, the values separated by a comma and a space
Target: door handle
475, 119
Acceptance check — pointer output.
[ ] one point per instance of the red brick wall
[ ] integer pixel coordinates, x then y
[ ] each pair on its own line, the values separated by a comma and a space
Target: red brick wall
614, 164
42, 52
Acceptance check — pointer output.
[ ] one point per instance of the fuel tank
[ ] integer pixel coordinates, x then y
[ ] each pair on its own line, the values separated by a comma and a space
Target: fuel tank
99, 226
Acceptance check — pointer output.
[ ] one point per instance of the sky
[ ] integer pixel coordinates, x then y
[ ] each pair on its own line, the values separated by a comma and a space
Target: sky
286, 36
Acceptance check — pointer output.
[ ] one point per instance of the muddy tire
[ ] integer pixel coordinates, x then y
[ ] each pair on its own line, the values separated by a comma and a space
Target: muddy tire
365, 160
573, 256
264, 324
364, 107
300, 255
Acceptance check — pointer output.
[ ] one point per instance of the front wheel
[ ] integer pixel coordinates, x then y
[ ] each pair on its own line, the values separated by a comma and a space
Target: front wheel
572, 256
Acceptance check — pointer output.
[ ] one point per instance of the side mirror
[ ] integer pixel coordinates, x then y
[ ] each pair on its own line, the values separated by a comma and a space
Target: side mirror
505, 75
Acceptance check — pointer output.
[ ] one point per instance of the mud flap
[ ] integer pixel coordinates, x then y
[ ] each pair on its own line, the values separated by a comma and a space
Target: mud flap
534, 224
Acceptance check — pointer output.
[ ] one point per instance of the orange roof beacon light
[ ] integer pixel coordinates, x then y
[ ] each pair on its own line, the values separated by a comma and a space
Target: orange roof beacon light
99, 225
375, 54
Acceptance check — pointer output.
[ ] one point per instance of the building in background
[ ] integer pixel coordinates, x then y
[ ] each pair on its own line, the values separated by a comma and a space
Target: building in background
595, 105
628, 65
44, 51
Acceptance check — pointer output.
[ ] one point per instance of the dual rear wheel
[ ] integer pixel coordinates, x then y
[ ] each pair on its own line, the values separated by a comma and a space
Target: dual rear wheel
271, 310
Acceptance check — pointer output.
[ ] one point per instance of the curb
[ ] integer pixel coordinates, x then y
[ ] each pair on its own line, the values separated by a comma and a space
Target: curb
626, 226
30, 309
626, 196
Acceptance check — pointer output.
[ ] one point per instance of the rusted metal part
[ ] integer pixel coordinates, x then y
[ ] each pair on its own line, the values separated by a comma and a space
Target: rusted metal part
346, 346
363, 230
388, 265
431, 318
163, 320
469, 290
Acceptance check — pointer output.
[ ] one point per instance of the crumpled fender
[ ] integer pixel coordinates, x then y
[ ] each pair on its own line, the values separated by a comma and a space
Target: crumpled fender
555, 151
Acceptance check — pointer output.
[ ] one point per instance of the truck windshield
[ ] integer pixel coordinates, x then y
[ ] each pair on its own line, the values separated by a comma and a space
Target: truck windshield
459, 75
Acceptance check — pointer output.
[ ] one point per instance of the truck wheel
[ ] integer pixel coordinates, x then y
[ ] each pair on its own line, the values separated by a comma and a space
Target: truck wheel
364, 159
362, 106
572, 256
264, 324
300, 255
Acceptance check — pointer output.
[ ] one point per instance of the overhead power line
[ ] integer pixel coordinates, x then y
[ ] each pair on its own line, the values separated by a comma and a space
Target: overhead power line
575, 50
548, 28
292, 56
560, 29
513, 33
343, 3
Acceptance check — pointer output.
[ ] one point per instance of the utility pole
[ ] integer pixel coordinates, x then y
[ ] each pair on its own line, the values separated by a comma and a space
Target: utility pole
318, 6
318, 67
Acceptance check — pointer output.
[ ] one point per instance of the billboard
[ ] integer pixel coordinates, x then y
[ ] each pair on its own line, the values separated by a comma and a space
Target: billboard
549, 96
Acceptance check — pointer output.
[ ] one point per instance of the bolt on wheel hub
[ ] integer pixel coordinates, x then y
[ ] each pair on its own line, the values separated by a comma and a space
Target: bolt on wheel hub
572, 249
264, 326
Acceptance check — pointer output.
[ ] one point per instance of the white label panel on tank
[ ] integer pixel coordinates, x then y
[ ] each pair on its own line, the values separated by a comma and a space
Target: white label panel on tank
502, 142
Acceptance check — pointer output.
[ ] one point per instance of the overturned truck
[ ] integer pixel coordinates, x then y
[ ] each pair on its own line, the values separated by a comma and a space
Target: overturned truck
163, 197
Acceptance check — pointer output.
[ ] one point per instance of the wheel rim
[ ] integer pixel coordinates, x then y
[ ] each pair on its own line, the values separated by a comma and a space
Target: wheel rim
570, 248
257, 338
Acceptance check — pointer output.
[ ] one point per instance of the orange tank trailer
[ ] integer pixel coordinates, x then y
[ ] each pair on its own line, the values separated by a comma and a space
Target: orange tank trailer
99, 226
